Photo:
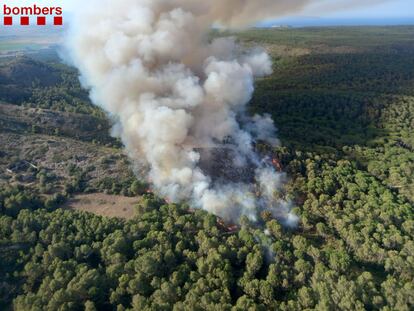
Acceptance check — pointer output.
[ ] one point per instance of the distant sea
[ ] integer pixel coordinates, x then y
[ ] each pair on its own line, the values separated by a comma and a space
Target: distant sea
321, 22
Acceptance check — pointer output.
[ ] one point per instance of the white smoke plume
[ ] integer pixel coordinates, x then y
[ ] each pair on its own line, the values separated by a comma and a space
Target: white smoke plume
179, 99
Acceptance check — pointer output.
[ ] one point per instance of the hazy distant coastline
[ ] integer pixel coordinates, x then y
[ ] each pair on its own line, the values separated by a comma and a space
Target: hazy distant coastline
329, 22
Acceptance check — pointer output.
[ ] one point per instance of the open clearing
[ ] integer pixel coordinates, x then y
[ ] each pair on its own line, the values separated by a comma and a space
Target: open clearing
104, 205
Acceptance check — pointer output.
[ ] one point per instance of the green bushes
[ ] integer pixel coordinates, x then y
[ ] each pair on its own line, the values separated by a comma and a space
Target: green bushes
170, 258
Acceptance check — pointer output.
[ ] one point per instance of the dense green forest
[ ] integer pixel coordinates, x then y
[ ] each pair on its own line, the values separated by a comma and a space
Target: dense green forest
343, 100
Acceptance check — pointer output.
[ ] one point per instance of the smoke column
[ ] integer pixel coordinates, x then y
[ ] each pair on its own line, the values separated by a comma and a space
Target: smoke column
179, 100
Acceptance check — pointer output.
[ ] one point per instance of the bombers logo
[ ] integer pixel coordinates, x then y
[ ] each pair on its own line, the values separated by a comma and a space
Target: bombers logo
25, 15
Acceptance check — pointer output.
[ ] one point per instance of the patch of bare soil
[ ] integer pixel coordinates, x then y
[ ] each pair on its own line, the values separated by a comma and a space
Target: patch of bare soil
104, 205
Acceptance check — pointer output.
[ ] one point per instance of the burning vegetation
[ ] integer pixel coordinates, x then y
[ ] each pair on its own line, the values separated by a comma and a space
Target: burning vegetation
171, 90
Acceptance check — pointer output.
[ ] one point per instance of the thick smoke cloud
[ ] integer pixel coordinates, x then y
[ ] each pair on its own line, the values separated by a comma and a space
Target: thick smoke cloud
179, 100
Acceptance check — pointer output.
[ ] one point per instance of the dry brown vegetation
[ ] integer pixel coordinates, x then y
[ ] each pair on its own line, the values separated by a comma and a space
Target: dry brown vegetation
104, 205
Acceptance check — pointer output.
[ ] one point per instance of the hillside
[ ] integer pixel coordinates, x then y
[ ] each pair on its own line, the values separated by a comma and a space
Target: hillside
343, 100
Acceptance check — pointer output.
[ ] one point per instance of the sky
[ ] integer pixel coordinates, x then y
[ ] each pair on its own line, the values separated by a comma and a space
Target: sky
387, 12
330, 11
374, 9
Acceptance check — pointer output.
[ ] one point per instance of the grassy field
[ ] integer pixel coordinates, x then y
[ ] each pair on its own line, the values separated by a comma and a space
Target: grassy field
30, 39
